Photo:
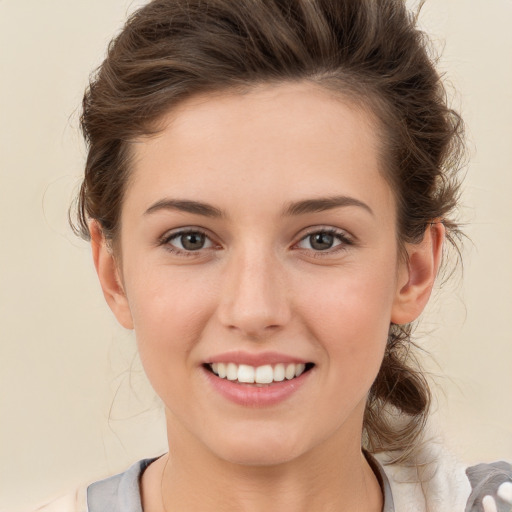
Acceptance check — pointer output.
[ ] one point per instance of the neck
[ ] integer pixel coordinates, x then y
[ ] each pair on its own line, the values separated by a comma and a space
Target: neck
334, 476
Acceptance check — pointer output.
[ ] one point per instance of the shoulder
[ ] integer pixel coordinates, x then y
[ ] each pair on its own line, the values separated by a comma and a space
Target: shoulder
431, 479
118, 493
435, 480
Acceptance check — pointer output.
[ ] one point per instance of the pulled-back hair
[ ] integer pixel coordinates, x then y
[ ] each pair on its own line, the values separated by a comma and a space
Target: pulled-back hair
370, 51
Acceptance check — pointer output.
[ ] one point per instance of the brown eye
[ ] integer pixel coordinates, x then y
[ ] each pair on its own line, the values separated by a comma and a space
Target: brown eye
190, 241
321, 241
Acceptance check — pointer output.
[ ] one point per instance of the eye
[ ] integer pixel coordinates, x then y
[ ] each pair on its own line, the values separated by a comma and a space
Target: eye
324, 240
188, 241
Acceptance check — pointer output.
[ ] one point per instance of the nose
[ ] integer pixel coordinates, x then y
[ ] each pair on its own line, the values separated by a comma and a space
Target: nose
254, 298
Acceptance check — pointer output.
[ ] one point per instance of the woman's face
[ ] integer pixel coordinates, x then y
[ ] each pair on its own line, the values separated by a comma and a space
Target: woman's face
259, 234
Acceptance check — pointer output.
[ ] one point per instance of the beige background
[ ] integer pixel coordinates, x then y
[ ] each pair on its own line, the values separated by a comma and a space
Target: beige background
71, 410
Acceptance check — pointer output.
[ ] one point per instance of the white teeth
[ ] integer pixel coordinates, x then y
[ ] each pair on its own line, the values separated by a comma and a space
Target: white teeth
299, 370
221, 369
231, 371
265, 374
246, 373
279, 372
289, 373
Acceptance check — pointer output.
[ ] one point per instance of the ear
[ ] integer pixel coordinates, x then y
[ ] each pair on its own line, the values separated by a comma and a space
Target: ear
417, 275
109, 276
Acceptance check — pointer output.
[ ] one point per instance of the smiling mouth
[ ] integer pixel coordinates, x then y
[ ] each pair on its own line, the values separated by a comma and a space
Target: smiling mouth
258, 375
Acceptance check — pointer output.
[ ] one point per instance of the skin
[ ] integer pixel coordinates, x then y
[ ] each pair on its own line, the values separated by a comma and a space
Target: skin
259, 284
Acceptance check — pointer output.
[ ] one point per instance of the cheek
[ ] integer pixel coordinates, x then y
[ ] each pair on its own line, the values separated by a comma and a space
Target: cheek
349, 317
169, 313
161, 297
351, 300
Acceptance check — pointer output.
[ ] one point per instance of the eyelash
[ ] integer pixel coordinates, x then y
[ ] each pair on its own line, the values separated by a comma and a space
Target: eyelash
344, 239
166, 239
342, 236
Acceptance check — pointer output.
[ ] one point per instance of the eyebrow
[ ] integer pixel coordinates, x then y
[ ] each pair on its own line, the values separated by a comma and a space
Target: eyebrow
185, 205
295, 208
324, 203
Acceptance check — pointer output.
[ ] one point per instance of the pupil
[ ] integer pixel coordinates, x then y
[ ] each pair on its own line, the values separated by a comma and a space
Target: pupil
193, 241
321, 241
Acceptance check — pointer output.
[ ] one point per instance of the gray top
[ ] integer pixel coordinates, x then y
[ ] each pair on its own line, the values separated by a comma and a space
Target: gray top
121, 493
118, 493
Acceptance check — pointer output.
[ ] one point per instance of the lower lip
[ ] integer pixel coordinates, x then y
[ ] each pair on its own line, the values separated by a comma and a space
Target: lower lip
251, 395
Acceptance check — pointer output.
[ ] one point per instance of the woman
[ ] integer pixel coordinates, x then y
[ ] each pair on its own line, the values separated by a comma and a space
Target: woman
268, 188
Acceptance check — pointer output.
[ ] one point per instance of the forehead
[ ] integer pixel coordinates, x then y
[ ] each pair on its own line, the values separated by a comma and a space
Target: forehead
297, 138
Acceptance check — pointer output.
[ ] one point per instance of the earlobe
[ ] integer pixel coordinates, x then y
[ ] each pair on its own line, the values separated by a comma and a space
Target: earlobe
108, 274
416, 279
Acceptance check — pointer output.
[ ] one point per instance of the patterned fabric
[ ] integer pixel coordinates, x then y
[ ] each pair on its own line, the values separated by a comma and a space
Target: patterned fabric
491, 488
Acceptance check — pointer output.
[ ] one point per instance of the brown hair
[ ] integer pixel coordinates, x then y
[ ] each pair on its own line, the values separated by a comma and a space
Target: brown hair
369, 50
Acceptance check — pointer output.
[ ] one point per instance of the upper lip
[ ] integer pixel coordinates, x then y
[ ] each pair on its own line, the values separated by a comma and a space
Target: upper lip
255, 359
